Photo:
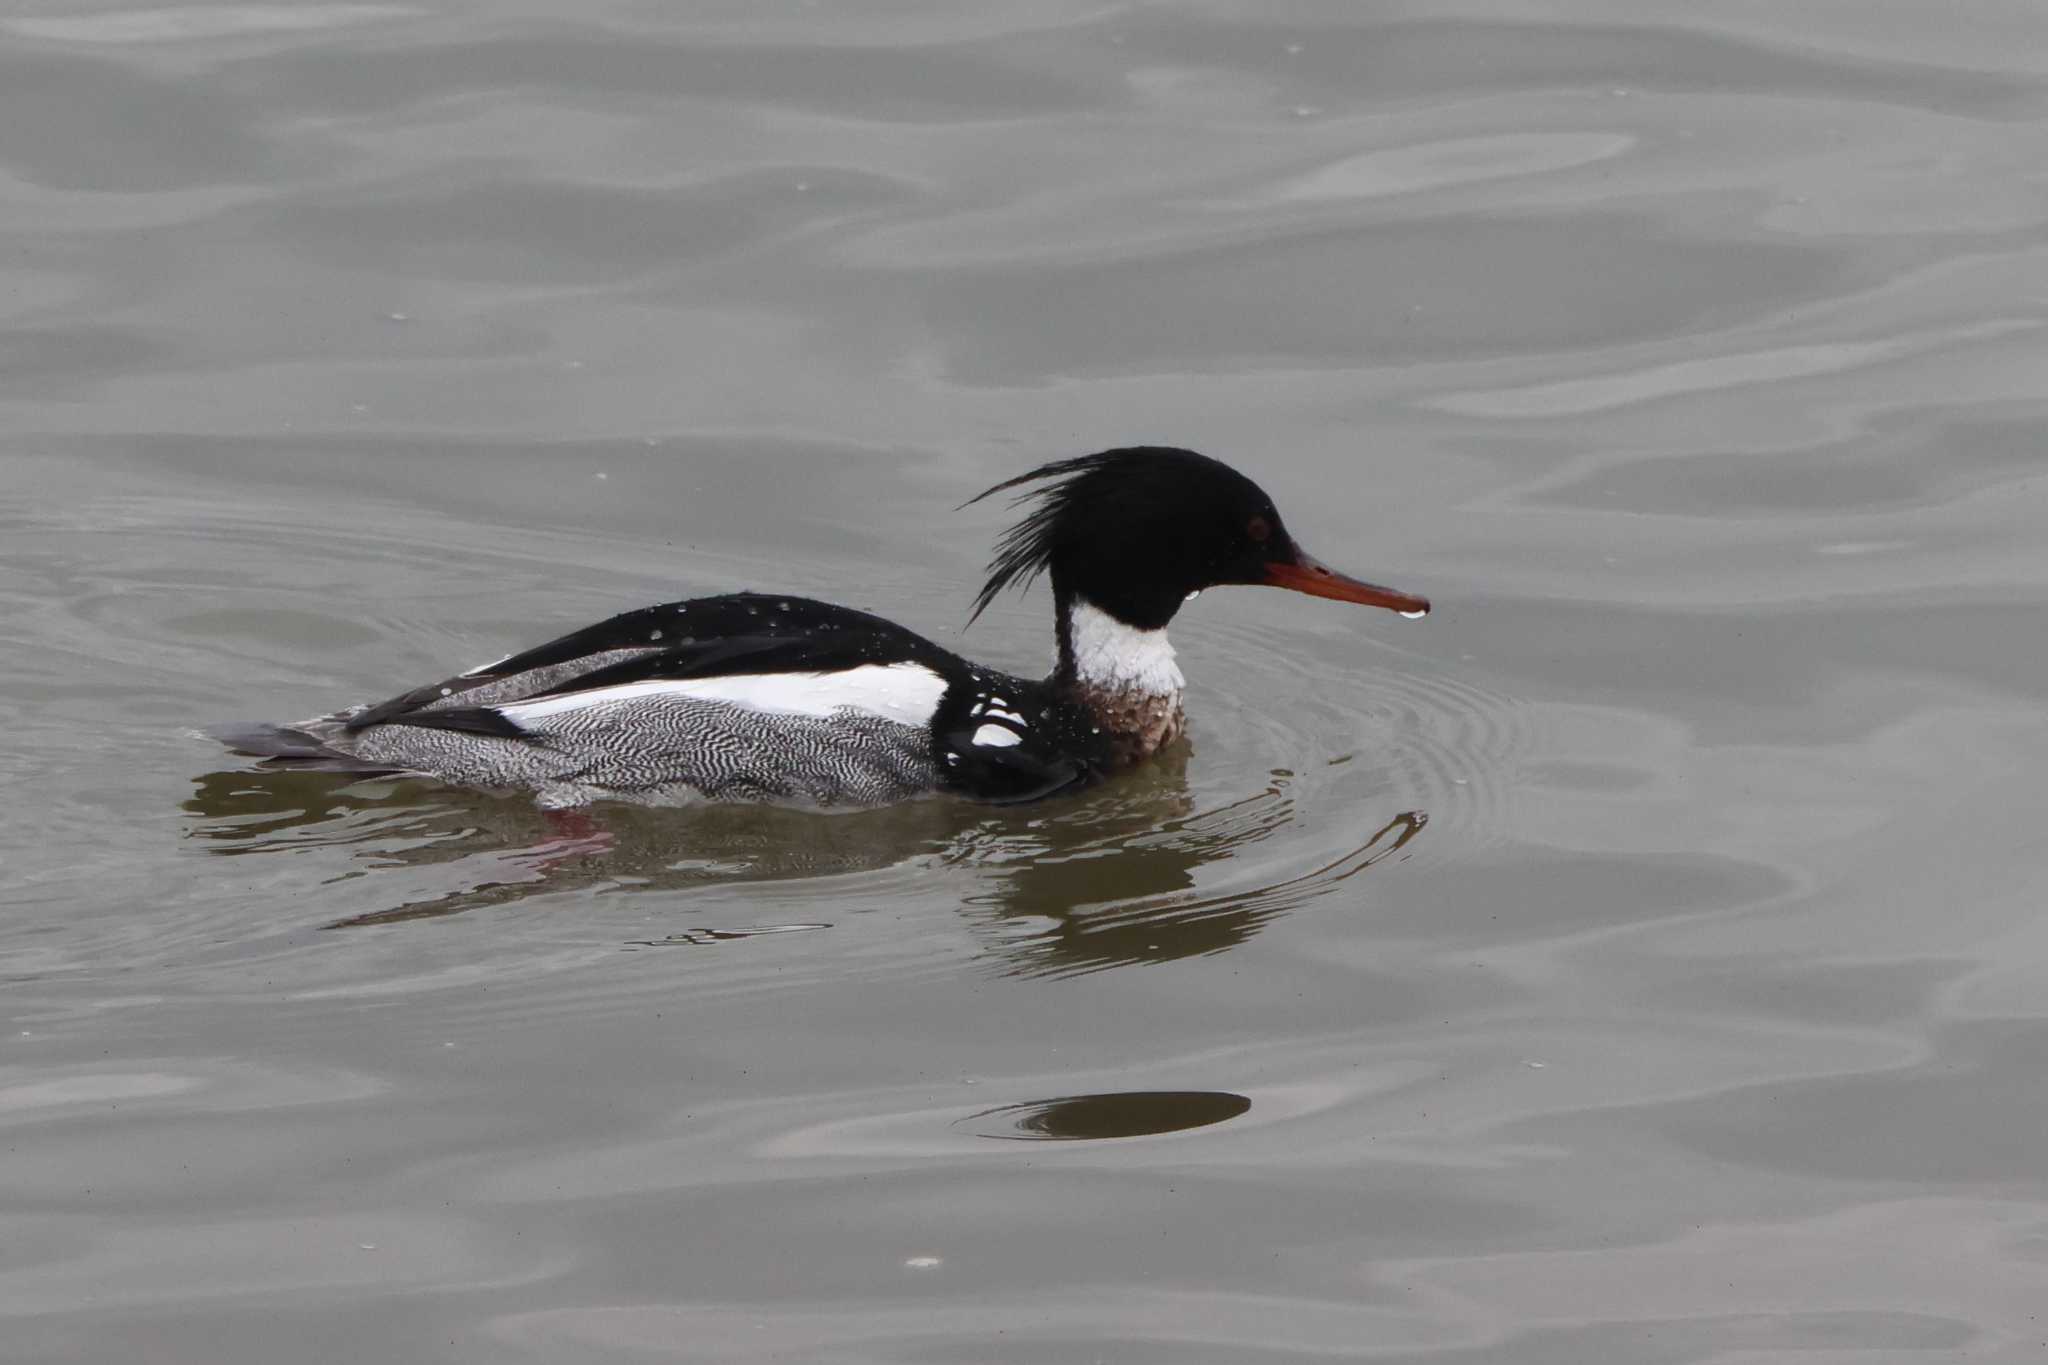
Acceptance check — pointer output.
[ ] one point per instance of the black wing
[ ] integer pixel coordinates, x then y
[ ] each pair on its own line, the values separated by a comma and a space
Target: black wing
700, 638
702, 620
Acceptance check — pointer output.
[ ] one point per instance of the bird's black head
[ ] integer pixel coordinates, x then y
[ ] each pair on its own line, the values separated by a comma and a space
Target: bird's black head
1134, 531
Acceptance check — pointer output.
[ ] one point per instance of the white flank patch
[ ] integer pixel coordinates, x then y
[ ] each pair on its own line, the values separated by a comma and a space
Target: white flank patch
1117, 657
905, 693
996, 737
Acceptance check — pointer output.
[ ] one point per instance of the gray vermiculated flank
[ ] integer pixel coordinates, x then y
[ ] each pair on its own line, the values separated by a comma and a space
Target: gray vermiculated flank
670, 750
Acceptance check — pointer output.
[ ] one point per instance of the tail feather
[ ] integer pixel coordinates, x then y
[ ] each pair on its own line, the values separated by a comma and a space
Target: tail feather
281, 746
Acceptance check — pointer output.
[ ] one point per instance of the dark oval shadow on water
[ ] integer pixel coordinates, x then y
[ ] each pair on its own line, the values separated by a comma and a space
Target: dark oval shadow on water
1110, 878
1116, 1114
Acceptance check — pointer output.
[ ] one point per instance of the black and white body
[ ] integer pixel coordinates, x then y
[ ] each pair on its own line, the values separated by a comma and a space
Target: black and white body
758, 697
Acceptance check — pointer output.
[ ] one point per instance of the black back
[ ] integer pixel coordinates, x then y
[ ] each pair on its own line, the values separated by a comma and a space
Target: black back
742, 632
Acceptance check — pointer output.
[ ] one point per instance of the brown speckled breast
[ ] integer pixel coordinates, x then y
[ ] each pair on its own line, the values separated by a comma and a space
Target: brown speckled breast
1139, 724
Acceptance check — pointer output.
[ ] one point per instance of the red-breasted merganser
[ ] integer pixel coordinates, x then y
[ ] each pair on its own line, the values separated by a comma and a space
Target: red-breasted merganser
758, 697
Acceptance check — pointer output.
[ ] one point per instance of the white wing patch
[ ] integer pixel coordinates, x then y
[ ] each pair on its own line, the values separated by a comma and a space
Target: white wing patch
996, 737
905, 693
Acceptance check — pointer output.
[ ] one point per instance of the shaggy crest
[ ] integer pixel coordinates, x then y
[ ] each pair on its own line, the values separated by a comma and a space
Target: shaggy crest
1025, 550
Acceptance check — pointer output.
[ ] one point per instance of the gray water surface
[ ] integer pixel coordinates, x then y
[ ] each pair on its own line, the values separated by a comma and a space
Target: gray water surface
1641, 960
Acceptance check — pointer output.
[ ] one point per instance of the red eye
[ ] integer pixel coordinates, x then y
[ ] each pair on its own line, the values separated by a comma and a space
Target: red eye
1259, 530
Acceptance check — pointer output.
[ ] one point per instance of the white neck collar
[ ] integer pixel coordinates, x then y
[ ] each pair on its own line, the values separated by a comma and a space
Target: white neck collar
1115, 657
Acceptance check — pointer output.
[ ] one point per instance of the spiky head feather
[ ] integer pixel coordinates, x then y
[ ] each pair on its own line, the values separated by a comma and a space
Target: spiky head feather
1135, 530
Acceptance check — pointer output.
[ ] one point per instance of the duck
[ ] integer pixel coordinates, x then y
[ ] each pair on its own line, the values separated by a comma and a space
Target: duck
764, 697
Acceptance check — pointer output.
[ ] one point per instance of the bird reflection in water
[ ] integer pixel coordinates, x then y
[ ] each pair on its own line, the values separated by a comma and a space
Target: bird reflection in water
1115, 883
1103, 880
503, 850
